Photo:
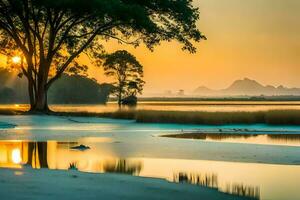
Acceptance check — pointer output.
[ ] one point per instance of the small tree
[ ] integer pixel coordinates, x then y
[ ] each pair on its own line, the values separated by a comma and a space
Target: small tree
128, 73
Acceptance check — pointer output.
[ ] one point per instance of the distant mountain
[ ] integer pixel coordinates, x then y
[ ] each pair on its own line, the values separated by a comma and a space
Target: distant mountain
247, 87
203, 90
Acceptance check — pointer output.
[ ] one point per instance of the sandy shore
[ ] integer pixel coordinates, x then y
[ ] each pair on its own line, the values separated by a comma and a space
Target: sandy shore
51, 184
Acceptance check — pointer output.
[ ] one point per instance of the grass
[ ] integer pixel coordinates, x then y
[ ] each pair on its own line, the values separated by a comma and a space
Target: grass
283, 117
275, 117
235, 134
196, 117
128, 114
213, 136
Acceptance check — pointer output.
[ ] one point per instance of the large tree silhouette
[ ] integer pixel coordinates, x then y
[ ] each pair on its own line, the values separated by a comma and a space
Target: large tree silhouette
51, 34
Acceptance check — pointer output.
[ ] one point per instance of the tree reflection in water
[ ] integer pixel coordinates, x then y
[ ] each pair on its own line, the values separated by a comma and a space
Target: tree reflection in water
61, 157
243, 190
37, 154
123, 166
211, 181
291, 139
207, 180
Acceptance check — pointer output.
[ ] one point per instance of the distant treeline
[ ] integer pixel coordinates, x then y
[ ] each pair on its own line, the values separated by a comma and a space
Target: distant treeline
69, 89
76, 89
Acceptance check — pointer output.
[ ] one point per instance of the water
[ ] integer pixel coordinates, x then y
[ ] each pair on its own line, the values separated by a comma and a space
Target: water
251, 168
283, 139
213, 106
260, 181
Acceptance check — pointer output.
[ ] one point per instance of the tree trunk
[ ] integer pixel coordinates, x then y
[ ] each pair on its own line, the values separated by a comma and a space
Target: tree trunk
31, 93
120, 98
42, 150
39, 149
39, 99
30, 152
41, 103
38, 102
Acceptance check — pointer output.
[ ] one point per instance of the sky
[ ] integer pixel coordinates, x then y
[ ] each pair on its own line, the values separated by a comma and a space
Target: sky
258, 39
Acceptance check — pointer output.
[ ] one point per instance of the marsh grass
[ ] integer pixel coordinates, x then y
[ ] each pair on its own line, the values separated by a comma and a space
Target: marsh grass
291, 117
213, 118
128, 114
274, 117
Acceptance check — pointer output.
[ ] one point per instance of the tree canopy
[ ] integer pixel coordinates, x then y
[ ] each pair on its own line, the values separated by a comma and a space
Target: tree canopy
50, 35
127, 72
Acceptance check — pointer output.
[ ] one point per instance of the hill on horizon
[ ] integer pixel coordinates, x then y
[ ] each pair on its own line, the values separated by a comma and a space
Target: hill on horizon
247, 87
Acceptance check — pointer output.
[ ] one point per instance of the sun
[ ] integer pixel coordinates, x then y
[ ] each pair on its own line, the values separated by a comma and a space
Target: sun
16, 156
16, 59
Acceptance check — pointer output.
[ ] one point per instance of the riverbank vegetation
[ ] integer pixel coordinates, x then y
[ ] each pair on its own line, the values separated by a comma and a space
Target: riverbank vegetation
274, 117
280, 117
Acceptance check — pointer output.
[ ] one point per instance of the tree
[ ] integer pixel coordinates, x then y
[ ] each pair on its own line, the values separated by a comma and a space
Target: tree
76, 89
50, 35
127, 71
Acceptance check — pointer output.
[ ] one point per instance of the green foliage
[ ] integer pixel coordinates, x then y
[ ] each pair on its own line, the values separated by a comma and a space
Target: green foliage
127, 72
151, 20
46, 29
77, 89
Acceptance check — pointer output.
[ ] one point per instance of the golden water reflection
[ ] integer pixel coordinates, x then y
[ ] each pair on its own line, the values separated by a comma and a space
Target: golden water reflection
285, 139
258, 181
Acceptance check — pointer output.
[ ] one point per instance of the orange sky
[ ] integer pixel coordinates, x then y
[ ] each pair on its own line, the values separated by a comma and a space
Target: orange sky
259, 39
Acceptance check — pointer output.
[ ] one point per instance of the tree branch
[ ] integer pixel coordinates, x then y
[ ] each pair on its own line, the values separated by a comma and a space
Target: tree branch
102, 28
